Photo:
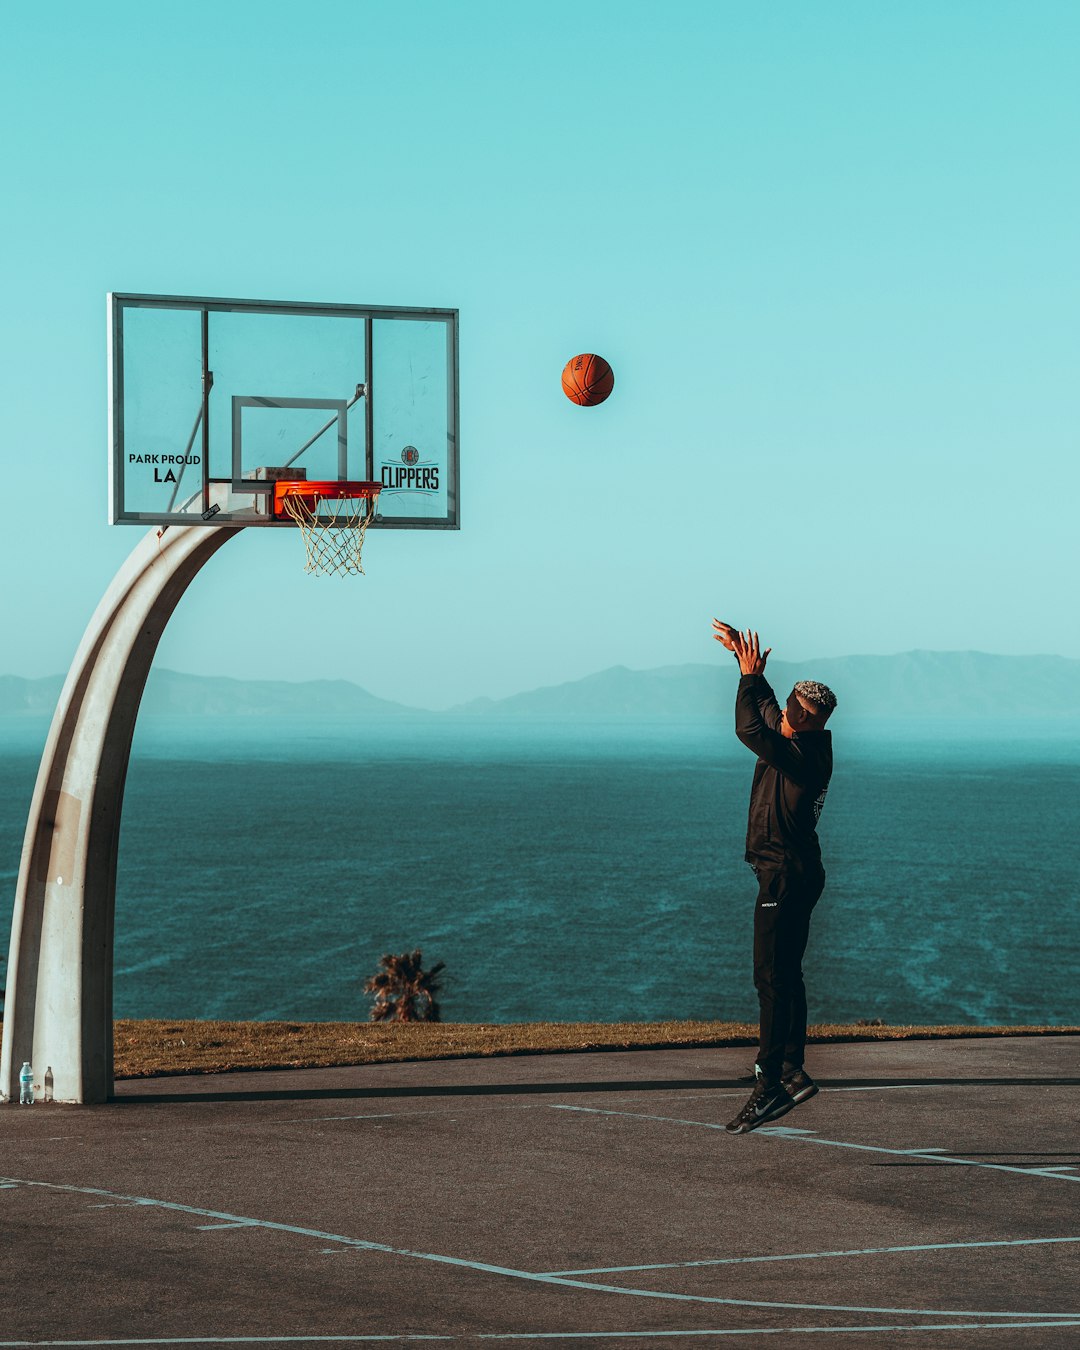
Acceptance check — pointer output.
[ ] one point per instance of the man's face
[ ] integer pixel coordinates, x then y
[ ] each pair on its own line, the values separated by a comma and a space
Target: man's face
796, 715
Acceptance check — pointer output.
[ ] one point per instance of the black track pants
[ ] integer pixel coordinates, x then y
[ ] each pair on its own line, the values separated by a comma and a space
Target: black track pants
786, 899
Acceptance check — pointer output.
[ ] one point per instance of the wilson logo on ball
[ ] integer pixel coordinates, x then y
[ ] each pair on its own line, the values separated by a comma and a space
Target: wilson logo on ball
587, 379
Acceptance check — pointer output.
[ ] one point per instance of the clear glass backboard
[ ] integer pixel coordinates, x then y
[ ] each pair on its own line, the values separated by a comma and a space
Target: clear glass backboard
211, 401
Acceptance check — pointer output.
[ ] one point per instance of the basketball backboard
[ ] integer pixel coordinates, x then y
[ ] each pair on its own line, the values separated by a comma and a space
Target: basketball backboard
211, 400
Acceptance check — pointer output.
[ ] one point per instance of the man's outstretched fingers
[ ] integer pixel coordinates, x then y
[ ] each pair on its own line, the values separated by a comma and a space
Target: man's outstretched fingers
724, 633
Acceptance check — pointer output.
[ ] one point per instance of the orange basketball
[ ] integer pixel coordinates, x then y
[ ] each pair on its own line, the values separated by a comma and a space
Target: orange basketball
587, 379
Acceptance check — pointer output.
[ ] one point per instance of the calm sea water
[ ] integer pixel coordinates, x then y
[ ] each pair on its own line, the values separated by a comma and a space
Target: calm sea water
584, 873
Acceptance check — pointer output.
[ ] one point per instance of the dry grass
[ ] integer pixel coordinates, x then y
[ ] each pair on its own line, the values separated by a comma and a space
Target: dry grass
148, 1048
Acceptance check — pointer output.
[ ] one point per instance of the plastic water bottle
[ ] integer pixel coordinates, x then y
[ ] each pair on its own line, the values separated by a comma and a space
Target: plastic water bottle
26, 1085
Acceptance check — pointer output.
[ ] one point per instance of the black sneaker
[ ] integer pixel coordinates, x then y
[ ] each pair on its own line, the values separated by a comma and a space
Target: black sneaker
765, 1104
798, 1085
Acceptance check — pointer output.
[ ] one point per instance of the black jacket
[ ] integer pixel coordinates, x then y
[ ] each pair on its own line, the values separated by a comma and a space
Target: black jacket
791, 778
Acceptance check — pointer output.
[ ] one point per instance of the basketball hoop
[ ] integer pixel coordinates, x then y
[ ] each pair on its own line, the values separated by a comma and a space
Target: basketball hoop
333, 518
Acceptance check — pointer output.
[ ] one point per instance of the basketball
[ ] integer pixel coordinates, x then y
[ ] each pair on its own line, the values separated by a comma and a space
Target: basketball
587, 379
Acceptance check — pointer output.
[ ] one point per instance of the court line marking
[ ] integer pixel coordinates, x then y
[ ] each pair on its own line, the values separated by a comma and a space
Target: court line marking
812, 1137
538, 1277
883, 1087
531, 1335
245, 1340
366, 1115
393, 1115
815, 1256
648, 1093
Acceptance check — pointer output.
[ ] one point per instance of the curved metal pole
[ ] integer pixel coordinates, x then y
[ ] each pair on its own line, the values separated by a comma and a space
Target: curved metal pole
58, 1007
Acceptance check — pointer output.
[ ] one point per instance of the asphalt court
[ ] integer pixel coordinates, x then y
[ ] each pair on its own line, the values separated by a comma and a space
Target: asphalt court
929, 1195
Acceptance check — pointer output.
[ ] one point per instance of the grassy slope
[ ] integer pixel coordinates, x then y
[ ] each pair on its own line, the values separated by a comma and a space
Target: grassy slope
147, 1048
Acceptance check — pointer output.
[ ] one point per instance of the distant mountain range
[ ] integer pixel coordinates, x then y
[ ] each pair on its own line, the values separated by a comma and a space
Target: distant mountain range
911, 684
169, 693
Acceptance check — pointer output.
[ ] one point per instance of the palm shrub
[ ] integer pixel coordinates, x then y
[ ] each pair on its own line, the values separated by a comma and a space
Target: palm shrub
404, 991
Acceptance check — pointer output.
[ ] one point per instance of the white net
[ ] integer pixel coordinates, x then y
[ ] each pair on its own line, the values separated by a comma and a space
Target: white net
333, 530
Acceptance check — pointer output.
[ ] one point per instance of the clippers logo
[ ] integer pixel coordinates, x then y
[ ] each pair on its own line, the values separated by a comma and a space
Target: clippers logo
411, 475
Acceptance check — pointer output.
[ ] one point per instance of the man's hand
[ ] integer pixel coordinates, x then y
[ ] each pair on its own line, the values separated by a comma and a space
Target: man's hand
725, 633
751, 658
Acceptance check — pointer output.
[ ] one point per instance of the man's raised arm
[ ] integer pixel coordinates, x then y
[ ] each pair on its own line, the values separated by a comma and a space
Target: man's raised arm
757, 713
767, 706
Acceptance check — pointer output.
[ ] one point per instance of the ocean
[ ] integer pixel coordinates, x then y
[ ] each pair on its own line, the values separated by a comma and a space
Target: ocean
576, 873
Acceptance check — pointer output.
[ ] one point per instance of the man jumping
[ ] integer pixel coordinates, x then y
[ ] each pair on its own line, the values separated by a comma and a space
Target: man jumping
791, 778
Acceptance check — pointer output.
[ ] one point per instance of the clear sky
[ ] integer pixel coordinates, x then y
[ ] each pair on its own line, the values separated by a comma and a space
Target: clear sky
830, 250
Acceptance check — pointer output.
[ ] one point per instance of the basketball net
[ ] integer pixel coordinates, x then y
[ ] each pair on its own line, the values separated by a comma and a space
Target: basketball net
333, 530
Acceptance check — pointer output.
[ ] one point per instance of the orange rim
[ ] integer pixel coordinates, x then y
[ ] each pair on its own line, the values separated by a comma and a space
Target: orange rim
303, 487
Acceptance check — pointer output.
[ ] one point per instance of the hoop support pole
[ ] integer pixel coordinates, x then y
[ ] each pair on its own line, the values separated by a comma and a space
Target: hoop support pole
58, 1008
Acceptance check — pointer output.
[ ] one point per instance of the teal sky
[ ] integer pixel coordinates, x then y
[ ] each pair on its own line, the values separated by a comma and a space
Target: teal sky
830, 250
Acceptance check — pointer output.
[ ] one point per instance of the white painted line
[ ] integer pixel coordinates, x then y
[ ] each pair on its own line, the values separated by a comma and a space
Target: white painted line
537, 1277
652, 1094
239, 1340
536, 1335
809, 1137
812, 1137
759, 1331
372, 1115
647, 1093
817, 1256
884, 1087
381, 1115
